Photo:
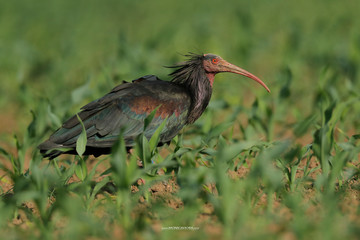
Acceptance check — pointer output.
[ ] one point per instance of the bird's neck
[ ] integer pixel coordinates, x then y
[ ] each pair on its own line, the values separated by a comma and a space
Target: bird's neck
200, 97
199, 87
192, 76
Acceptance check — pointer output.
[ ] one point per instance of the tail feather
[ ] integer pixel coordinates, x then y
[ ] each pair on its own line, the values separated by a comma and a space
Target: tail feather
52, 154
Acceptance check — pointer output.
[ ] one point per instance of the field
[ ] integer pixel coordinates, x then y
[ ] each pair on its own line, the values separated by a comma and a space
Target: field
256, 165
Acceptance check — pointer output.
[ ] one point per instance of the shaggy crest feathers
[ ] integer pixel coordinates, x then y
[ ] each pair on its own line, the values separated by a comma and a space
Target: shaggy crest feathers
189, 70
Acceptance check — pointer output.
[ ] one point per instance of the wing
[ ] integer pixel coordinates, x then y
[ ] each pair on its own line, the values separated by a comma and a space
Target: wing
126, 107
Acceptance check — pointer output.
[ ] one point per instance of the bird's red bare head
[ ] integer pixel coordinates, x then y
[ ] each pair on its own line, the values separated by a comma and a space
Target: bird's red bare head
214, 64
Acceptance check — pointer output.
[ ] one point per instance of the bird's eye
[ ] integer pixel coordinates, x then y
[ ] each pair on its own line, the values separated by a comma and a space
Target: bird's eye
215, 60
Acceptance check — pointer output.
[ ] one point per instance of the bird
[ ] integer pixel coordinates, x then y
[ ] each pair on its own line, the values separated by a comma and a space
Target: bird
179, 102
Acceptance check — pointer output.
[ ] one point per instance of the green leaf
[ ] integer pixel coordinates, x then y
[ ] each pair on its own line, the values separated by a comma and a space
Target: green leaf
145, 150
302, 126
81, 92
32, 126
81, 169
92, 172
5, 153
150, 117
53, 118
82, 140
156, 136
217, 130
98, 187
287, 79
233, 150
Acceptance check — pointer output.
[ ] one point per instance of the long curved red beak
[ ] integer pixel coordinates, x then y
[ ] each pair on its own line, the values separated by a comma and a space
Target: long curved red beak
228, 67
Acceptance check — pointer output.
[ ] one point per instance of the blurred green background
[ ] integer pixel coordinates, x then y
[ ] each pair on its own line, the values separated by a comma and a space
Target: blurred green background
255, 165
50, 48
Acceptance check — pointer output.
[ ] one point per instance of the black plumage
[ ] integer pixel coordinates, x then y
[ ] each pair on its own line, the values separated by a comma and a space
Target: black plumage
180, 101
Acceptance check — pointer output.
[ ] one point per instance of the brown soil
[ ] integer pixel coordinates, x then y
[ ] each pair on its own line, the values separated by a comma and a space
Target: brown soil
164, 192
